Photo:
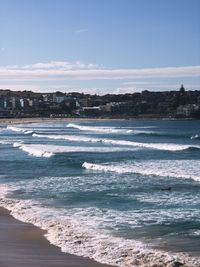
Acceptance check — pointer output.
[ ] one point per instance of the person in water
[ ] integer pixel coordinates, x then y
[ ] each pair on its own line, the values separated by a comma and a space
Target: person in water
166, 188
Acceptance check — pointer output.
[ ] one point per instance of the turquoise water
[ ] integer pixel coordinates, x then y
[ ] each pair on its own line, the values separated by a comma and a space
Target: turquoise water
109, 190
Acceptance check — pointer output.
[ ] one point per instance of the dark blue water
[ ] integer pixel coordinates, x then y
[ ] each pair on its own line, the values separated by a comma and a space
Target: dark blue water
107, 189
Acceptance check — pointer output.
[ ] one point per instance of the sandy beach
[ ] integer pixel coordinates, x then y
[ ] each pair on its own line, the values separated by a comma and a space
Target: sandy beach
31, 120
24, 245
40, 120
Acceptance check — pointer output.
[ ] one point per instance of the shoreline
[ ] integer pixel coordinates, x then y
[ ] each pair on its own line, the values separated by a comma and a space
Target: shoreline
23, 244
33, 236
41, 119
44, 119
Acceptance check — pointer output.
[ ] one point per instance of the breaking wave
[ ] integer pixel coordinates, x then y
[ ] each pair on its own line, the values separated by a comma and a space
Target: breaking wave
17, 129
195, 136
164, 168
159, 146
47, 151
5, 142
75, 232
3, 129
99, 129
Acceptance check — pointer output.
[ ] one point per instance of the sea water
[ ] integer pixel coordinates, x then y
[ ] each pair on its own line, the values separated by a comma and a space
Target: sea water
123, 192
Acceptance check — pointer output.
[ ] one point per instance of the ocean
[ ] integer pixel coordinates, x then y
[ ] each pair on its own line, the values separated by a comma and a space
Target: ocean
123, 192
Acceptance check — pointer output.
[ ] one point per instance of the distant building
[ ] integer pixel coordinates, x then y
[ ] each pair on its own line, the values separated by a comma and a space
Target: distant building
91, 111
2, 103
182, 89
107, 108
58, 97
86, 102
13, 102
187, 110
30, 102
170, 104
21, 102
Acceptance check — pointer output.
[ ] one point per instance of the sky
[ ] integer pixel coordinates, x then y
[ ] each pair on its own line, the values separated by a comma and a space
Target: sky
99, 46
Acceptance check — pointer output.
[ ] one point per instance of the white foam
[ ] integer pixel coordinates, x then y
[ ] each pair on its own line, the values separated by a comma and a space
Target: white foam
10, 141
174, 168
12, 128
195, 136
28, 132
159, 146
5, 142
145, 127
99, 129
3, 129
39, 150
74, 138
17, 129
195, 233
76, 234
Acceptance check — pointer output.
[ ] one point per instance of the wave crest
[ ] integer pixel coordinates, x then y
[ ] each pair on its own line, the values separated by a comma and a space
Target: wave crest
47, 151
99, 128
22, 130
71, 233
195, 136
159, 146
164, 168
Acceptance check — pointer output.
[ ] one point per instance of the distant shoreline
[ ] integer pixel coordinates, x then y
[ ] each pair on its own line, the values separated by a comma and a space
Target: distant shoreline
45, 119
39, 120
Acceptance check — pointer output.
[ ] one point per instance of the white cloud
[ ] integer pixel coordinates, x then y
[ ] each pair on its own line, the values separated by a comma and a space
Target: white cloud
66, 88
53, 88
63, 70
54, 65
137, 83
50, 65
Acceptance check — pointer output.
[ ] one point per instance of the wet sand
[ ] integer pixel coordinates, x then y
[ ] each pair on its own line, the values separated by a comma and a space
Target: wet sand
24, 245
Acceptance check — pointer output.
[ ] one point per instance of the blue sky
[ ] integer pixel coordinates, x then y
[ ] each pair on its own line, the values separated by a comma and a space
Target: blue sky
99, 46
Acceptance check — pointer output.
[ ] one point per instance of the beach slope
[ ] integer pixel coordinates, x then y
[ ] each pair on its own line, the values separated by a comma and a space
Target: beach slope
24, 245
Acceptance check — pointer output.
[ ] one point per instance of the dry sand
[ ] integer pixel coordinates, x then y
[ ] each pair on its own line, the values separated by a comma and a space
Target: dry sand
24, 245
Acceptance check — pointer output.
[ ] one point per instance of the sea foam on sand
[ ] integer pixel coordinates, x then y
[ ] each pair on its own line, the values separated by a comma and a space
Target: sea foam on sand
72, 236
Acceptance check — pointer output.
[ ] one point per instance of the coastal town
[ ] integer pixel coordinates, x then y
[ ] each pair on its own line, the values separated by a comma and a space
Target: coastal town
179, 103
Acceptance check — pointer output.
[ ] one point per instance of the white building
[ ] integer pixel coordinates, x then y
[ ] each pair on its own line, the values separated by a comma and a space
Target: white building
187, 110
